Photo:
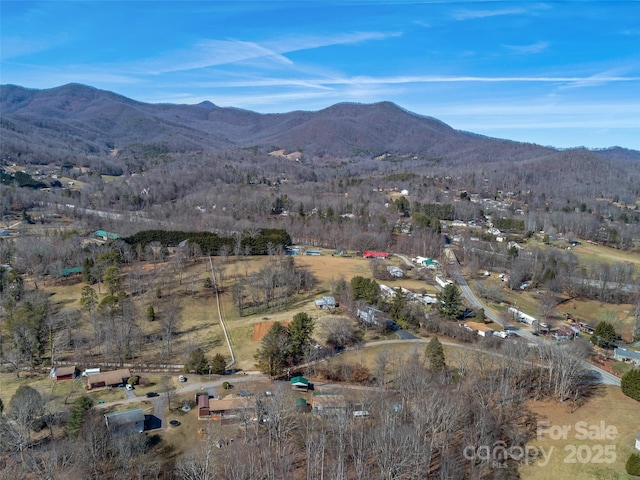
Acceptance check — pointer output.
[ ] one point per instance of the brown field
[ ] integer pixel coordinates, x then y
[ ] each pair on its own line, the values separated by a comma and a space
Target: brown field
261, 329
620, 415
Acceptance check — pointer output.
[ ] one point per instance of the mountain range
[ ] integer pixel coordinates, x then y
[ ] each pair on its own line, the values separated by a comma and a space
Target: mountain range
75, 121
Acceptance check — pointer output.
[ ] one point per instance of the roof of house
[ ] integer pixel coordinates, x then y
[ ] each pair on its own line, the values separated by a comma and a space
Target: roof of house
108, 235
203, 401
63, 371
113, 377
299, 381
65, 272
125, 417
623, 352
230, 402
335, 400
330, 301
478, 326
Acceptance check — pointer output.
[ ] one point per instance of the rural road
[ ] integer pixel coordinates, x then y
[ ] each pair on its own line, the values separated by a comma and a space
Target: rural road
605, 377
191, 387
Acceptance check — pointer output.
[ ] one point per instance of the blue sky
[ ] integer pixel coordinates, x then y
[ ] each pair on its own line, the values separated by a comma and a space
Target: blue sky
555, 73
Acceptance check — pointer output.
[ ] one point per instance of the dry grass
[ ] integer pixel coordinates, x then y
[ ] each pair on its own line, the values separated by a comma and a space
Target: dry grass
599, 253
609, 406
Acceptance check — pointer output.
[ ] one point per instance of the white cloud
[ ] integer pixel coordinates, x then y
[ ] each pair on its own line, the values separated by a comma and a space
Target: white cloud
529, 49
471, 14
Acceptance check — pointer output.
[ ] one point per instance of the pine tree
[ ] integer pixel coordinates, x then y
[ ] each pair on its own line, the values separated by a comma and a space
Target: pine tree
273, 356
435, 354
604, 335
449, 302
300, 331
218, 364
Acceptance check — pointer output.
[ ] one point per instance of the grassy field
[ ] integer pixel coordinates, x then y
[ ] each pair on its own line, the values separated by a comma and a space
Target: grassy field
571, 456
599, 253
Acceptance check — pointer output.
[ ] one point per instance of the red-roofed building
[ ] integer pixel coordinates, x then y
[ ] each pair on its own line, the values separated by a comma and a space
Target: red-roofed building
370, 254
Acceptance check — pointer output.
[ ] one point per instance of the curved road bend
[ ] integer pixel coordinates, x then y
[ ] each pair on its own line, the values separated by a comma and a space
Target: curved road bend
605, 377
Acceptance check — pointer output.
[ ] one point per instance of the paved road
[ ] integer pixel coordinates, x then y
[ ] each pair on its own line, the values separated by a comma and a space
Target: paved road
605, 377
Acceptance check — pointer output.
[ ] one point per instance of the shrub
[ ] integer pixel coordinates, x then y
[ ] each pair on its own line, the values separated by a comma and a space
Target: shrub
133, 380
226, 385
633, 464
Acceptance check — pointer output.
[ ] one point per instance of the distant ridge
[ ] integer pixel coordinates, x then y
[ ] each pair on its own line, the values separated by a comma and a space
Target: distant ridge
82, 120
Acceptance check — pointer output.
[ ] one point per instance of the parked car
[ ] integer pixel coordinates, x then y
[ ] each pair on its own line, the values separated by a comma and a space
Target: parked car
182, 378
152, 394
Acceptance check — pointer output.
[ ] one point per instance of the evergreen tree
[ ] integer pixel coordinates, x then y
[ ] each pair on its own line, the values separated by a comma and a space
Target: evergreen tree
198, 362
218, 364
449, 302
76, 417
365, 289
604, 335
435, 354
300, 331
151, 313
273, 355
630, 384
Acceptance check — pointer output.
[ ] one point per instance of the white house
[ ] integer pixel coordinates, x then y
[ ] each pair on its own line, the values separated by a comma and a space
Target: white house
624, 355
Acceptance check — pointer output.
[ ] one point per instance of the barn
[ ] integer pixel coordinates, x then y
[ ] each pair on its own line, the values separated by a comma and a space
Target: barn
65, 373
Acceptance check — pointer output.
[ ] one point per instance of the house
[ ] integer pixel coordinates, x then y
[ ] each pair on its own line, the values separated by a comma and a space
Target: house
125, 422
586, 328
522, 317
564, 333
65, 272
624, 355
114, 378
480, 328
395, 271
103, 235
328, 404
64, 373
299, 383
443, 282
226, 408
371, 254
326, 303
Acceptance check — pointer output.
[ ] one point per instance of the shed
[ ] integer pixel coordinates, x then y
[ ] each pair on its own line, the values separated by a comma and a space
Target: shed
299, 383
326, 303
125, 422
65, 373
301, 405
114, 378
638, 442
203, 406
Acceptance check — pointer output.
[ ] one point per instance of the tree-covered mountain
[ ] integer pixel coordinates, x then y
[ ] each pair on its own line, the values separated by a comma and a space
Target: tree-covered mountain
74, 121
